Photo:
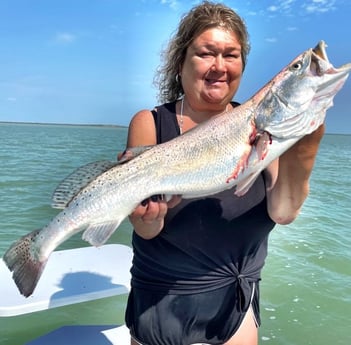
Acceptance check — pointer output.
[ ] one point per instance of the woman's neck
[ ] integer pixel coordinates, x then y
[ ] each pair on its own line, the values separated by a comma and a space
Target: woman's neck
190, 117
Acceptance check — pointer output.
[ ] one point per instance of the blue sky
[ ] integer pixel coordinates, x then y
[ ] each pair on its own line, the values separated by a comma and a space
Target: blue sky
93, 61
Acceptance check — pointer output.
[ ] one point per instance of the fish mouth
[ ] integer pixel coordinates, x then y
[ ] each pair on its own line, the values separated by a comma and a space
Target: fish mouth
320, 50
320, 64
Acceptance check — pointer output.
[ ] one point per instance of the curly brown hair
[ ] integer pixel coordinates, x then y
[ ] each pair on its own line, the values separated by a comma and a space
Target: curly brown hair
199, 19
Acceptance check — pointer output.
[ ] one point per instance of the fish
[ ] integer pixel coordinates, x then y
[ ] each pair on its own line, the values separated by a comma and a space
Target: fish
227, 151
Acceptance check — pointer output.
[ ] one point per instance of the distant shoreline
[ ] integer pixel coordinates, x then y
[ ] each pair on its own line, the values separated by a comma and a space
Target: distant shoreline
60, 124
92, 125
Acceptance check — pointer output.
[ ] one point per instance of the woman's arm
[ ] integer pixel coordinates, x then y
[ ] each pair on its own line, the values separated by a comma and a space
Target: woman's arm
288, 178
148, 218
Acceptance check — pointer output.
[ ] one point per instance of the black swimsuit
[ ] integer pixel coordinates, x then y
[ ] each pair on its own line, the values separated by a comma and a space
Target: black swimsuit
194, 282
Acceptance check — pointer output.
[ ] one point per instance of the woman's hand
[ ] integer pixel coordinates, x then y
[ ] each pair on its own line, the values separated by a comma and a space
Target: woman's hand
288, 178
148, 218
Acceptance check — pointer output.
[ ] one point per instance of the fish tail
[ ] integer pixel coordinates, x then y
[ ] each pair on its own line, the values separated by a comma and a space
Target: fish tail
26, 268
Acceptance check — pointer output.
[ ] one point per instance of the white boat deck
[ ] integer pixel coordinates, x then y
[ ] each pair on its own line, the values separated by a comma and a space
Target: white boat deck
73, 276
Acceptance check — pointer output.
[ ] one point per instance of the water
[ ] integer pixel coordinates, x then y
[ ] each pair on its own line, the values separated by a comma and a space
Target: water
306, 287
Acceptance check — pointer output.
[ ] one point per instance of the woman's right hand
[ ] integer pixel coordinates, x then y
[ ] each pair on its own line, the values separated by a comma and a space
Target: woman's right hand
148, 218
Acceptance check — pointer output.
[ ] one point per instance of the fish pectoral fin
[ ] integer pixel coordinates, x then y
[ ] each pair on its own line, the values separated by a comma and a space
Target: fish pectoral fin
262, 141
98, 234
243, 186
241, 164
76, 181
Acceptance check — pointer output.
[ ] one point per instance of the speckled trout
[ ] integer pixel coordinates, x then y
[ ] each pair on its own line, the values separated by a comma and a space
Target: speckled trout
227, 151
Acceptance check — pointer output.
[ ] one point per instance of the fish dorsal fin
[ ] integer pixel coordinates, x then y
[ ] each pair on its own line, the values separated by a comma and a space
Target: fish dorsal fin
98, 234
76, 181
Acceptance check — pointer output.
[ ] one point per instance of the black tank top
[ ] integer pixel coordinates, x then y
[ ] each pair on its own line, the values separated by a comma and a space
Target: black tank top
206, 243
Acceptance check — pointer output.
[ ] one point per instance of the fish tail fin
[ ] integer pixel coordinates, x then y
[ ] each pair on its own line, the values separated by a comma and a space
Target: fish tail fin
26, 268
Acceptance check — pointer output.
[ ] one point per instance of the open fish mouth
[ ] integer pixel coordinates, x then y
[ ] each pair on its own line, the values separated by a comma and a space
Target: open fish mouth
319, 59
320, 64
331, 78
320, 51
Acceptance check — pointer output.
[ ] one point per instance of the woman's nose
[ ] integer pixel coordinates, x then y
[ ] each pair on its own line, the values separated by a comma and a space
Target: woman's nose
218, 64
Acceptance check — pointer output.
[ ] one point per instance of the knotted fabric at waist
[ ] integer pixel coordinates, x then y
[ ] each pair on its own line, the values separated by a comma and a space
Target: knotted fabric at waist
243, 282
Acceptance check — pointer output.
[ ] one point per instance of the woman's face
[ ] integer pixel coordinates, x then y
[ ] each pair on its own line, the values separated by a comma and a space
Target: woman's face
212, 69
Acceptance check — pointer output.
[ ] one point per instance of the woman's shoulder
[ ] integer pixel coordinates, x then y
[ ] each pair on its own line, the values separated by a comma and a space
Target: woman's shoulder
141, 115
142, 129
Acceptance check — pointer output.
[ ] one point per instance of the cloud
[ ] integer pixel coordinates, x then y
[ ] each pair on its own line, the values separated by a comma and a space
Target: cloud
287, 4
65, 37
308, 7
319, 6
272, 8
284, 6
173, 4
271, 39
251, 13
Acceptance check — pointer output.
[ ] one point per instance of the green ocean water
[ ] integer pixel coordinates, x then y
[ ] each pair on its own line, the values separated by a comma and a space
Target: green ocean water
306, 286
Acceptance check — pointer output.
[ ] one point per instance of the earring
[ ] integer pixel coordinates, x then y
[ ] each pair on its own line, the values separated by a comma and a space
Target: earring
177, 77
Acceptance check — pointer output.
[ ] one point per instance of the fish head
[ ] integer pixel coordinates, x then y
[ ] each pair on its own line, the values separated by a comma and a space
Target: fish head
294, 103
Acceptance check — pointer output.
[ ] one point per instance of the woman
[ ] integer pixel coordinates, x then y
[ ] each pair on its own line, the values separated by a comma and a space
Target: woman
197, 263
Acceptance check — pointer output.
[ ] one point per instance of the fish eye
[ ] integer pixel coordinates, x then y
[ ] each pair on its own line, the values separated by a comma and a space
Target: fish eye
296, 66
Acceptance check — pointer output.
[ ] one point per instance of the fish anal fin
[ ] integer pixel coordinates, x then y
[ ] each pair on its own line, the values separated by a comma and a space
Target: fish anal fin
98, 234
76, 181
26, 268
243, 186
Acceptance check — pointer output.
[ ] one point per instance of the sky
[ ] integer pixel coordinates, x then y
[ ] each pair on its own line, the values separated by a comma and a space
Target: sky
94, 61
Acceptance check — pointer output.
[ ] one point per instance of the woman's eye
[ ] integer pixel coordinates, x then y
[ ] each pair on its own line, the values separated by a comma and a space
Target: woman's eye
233, 56
204, 54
